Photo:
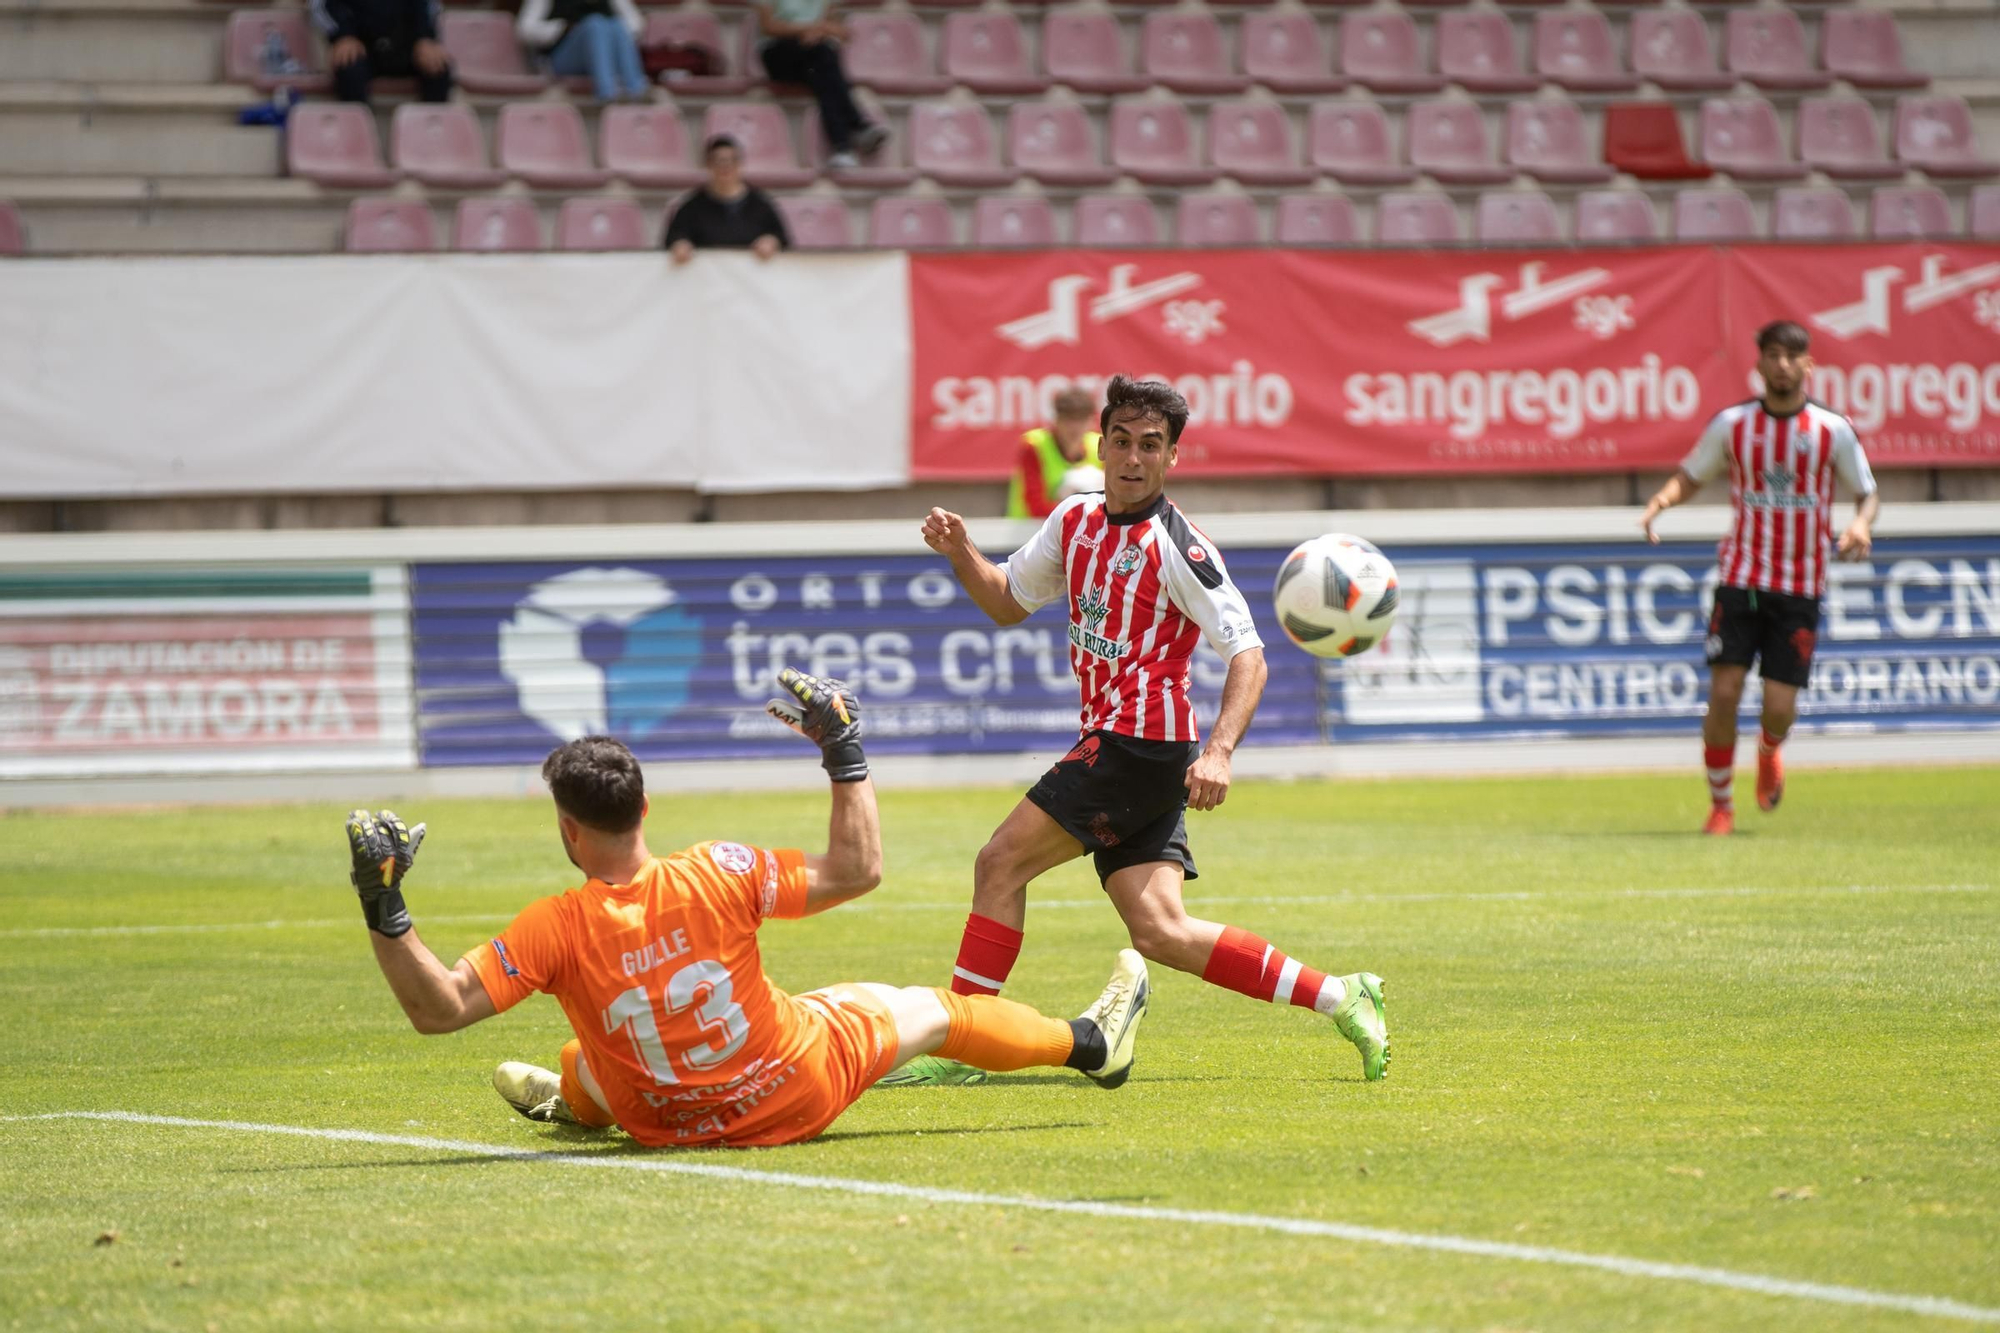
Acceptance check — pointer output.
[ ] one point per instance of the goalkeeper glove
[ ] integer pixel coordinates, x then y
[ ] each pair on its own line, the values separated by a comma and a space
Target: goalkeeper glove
826, 713
382, 851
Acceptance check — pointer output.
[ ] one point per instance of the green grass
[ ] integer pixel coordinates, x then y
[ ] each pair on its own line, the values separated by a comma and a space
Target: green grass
1577, 1065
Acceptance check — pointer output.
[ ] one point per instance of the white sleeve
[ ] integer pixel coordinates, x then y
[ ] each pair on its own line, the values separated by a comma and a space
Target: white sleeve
1198, 583
534, 26
628, 14
1849, 461
1036, 574
1710, 457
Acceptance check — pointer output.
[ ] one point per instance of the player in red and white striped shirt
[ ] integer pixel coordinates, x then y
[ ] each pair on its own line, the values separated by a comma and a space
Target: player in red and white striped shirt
1141, 587
1782, 453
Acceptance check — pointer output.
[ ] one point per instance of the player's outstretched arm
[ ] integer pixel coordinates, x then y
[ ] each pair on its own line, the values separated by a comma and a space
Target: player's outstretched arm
827, 713
1680, 488
435, 998
1242, 691
983, 581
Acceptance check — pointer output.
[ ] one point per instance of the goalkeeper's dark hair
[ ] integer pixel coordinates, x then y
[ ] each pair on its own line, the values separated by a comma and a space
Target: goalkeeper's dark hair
1785, 334
1152, 398
597, 782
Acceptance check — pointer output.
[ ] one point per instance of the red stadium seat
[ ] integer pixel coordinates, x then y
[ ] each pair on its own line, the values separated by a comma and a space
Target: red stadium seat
817, 222
252, 33
1283, 50
1713, 215
1615, 215
1448, 142
1740, 135
886, 52
441, 144
1114, 221
1671, 47
1573, 48
909, 224
1380, 50
1768, 47
1985, 213
769, 157
1153, 138
1083, 49
13, 237
1862, 47
954, 144
1055, 143
601, 224
497, 224
1812, 213
384, 225
1897, 212
700, 28
544, 143
486, 55
1838, 135
1183, 49
1644, 139
1217, 220
1936, 134
886, 169
333, 144
1316, 219
1350, 142
648, 146
1251, 140
1475, 50
987, 53
1004, 221
1420, 218
1546, 139
1516, 217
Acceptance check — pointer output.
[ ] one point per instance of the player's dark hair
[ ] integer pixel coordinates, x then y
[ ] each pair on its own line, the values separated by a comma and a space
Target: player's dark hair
716, 141
1152, 398
597, 782
1785, 334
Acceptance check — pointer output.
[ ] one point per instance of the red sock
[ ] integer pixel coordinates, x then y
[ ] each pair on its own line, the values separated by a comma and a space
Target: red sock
986, 954
1766, 742
1248, 965
1720, 761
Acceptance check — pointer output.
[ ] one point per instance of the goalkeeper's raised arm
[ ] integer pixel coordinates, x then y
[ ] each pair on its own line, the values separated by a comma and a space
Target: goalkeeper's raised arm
827, 713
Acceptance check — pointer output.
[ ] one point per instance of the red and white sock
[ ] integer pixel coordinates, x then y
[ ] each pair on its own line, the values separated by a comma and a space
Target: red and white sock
1720, 761
986, 954
1767, 743
1248, 965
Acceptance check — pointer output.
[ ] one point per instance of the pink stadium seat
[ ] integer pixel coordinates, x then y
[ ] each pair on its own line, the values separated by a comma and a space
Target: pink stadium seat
1337, 2
1615, 215
700, 28
1546, 139
1861, 46
886, 52
1838, 135
251, 33
485, 54
1671, 47
1936, 134
944, 4
333, 143
1183, 49
648, 146
497, 224
1984, 212
1380, 50
1054, 143
1573, 47
1282, 50
887, 169
441, 144
1217, 220
1448, 141
987, 53
13, 239
1316, 219
1713, 215
901, 223
1812, 213
1005, 221
601, 224
1153, 138
1116, 220
383, 225
1475, 50
1437, 4
1912, 212
1350, 142
1644, 139
1252, 141
1768, 47
1083, 49
1517, 217
1740, 135
769, 157
1532, 2
1415, 219
954, 144
544, 143
817, 222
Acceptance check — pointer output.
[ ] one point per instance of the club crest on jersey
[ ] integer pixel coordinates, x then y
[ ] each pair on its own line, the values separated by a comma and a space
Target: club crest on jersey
1128, 560
1091, 609
733, 857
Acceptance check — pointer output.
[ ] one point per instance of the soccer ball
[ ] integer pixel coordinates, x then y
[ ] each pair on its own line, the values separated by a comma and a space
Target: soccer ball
1336, 595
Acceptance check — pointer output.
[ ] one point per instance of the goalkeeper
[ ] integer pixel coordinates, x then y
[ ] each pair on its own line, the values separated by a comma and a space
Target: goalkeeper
680, 1038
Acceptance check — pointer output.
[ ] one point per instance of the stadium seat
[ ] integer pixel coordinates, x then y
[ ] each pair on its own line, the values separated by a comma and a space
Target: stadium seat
1350, 142
1337, 2
1420, 218
1899, 212
486, 55
384, 225
1615, 215
700, 28
1476, 51
1531, 2
1862, 46
1516, 217
1116, 220
1282, 50
1083, 49
1546, 139
601, 224
886, 52
1713, 215
1936, 134
250, 35
1316, 219
903, 223
1812, 213
1217, 220
817, 222
545, 144
1768, 47
1381, 51
1007, 221
648, 146
1251, 140
13, 237
769, 157
1573, 48
987, 53
954, 144
1183, 49
497, 224
886, 169
1740, 135
944, 4
1983, 219
333, 144
1153, 138
1055, 144
441, 144
1448, 141
1839, 136
1671, 48
1644, 140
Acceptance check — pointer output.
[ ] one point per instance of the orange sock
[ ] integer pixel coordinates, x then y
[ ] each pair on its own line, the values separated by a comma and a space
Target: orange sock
581, 1104
988, 1032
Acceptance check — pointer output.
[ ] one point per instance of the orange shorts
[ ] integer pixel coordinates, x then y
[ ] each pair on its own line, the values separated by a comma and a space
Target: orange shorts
854, 1044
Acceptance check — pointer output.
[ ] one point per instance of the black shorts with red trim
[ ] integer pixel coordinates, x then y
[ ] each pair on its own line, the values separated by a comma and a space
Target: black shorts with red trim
1123, 798
1775, 629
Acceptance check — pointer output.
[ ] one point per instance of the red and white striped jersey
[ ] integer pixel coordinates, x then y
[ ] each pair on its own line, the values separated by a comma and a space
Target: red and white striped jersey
1142, 589
1781, 472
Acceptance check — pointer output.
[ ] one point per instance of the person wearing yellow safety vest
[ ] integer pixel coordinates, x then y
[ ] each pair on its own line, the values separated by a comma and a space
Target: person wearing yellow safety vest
1051, 454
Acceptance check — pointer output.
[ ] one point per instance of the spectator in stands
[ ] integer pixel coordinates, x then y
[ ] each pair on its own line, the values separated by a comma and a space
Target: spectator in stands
802, 45
728, 213
1057, 460
598, 38
389, 38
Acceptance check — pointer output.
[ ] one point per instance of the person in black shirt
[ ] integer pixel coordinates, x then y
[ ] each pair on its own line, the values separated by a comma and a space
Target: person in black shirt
728, 213
387, 38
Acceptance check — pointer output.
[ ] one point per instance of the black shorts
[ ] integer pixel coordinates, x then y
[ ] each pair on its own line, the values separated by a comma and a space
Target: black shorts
1125, 799
1774, 628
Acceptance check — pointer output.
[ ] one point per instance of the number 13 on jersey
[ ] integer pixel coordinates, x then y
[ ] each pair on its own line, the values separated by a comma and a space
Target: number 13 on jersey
718, 1015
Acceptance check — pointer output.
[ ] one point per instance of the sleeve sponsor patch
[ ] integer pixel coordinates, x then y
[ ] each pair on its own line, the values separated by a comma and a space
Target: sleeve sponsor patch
733, 857
770, 903
506, 963
1204, 566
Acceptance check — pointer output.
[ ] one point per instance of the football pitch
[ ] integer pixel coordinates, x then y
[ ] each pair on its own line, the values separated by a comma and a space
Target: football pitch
1642, 1080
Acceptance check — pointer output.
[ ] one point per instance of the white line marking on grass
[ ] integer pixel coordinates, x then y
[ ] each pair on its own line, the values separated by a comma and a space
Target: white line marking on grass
1938, 1306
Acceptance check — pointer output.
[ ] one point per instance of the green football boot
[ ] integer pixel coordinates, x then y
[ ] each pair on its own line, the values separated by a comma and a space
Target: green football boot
1363, 1019
930, 1071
